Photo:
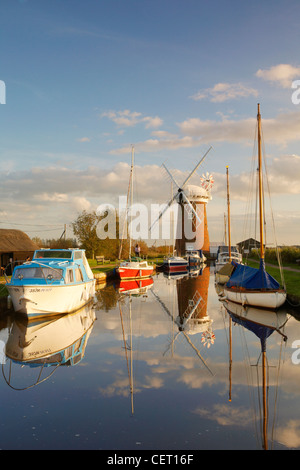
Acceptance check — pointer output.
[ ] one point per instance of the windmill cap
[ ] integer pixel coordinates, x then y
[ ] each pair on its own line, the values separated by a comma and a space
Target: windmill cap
196, 192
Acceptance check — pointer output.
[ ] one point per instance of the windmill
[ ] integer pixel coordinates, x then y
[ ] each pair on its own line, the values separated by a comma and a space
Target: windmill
187, 196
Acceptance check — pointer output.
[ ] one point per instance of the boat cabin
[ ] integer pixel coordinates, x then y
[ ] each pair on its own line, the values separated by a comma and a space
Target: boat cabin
67, 266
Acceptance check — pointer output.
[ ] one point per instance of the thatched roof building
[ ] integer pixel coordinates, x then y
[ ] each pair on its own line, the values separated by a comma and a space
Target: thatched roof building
15, 245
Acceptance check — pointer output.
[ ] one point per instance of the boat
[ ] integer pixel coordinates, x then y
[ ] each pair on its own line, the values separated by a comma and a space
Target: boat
54, 282
133, 267
174, 264
254, 286
195, 257
226, 254
224, 273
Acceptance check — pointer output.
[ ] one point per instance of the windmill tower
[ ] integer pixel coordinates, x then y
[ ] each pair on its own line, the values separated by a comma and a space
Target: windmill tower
192, 230
195, 219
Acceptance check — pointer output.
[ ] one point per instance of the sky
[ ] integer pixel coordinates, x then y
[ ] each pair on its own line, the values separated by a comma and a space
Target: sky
81, 81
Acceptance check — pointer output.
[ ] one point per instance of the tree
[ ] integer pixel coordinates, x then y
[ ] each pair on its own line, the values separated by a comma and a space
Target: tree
84, 229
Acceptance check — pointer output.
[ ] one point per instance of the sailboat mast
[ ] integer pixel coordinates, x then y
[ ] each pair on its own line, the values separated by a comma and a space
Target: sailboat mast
131, 195
260, 184
228, 216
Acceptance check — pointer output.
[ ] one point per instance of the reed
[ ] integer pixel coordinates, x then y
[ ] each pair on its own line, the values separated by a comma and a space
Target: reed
289, 255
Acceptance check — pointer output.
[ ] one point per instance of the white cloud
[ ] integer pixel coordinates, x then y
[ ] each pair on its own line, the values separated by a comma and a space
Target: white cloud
127, 118
225, 91
84, 139
225, 415
279, 130
55, 197
288, 435
81, 203
194, 132
282, 74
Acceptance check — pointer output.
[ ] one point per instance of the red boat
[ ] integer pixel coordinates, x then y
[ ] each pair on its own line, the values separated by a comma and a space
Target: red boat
134, 268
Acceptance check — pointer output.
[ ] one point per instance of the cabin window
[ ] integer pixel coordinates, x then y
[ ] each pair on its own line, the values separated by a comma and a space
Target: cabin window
77, 254
78, 275
38, 273
70, 276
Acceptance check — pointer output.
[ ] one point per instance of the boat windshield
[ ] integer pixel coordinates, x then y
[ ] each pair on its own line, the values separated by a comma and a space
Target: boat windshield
38, 273
65, 254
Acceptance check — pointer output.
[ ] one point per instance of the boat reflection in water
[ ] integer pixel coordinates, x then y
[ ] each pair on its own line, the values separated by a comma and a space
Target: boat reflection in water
53, 341
263, 323
134, 286
129, 291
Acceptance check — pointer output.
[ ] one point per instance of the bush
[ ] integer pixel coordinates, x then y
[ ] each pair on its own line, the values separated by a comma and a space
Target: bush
289, 254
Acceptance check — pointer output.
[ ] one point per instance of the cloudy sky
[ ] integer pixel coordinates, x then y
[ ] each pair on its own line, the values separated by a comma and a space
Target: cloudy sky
85, 80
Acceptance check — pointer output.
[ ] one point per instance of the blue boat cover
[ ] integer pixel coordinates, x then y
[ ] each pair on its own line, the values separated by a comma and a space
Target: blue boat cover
252, 278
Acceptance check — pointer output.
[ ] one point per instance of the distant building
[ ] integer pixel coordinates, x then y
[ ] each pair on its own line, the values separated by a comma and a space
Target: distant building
15, 245
247, 245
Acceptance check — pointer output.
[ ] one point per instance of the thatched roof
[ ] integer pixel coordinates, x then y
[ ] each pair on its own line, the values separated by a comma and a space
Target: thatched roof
15, 240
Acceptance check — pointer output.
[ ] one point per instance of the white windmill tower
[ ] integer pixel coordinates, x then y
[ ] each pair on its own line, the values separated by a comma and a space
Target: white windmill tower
192, 217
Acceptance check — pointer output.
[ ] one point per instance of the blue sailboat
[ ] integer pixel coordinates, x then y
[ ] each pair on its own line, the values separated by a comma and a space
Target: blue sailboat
254, 286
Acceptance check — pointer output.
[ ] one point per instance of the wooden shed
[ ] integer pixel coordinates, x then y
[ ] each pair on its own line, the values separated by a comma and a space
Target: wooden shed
15, 245
247, 245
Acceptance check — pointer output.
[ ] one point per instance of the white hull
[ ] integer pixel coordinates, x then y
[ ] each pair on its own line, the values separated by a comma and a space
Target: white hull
271, 299
39, 300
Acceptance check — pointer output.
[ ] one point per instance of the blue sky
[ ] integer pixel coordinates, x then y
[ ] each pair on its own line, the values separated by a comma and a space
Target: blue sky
86, 79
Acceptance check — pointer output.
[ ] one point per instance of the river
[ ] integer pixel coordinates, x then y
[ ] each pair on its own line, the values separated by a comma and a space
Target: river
163, 366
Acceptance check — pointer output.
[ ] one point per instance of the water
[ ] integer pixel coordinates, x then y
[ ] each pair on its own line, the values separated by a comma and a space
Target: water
145, 376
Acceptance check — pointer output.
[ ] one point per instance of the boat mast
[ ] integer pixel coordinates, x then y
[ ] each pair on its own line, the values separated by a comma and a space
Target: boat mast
126, 217
260, 185
131, 194
228, 216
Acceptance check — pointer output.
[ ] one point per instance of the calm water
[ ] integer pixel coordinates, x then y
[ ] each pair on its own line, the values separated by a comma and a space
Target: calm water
149, 373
